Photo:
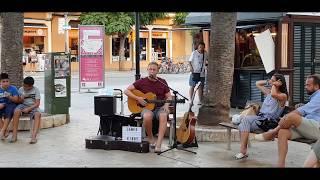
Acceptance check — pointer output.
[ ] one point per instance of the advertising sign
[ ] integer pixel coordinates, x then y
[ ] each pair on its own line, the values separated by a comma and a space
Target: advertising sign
91, 57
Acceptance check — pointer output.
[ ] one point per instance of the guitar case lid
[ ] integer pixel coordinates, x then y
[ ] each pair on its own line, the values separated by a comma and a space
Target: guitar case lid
111, 143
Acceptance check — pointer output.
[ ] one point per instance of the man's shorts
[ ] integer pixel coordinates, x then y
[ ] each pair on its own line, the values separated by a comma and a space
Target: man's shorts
155, 120
309, 129
316, 149
32, 112
7, 111
194, 83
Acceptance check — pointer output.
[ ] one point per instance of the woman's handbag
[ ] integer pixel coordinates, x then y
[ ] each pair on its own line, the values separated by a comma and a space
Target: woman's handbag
267, 124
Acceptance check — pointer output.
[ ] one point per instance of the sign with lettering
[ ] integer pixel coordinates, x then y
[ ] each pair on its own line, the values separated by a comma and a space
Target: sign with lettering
91, 57
34, 32
159, 35
131, 134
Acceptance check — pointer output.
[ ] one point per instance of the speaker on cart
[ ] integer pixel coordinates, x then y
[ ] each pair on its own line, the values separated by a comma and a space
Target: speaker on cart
105, 105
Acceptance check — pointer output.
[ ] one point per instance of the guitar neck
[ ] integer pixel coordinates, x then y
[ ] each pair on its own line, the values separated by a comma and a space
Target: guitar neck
160, 101
193, 95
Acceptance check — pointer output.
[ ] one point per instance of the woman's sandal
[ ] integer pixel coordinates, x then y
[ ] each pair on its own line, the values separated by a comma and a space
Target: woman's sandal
13, 140
33, 141
157, 149
152, 147
240, 156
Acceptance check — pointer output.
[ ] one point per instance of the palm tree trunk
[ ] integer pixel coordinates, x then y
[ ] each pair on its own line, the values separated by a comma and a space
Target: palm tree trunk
216, 107
11, 46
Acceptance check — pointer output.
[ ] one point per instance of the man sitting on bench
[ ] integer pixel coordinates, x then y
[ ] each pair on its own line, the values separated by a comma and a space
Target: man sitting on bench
304, 122
272, 108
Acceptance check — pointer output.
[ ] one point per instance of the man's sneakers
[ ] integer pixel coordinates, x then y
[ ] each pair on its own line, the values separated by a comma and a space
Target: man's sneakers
240, 156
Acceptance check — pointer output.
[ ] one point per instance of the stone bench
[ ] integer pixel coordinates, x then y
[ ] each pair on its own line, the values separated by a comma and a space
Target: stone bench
47, 121
230, 126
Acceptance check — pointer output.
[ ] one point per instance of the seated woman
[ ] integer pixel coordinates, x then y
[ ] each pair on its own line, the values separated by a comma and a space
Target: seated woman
272, 108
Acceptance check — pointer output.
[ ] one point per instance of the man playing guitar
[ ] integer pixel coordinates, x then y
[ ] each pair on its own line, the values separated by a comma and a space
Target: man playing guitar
159, 116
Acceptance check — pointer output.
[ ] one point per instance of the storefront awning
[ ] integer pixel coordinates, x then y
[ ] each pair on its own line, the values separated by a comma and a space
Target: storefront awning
204, 18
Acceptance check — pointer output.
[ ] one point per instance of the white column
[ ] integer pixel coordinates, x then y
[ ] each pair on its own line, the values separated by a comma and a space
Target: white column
149, 55
49, 35
110, 49
170, 43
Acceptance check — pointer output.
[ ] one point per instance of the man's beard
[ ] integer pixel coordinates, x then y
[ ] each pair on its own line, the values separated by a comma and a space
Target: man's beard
310, 92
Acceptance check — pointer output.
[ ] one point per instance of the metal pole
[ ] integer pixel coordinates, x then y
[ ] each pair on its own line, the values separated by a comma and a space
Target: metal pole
137, 46
66, 33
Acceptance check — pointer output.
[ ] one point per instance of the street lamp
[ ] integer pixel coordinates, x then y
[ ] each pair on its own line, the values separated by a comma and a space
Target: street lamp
137, 46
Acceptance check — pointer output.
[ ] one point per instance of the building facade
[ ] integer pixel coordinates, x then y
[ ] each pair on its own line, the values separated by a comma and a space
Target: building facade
44, 31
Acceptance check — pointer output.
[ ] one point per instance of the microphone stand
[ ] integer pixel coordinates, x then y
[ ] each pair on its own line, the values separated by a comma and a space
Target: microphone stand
175, 144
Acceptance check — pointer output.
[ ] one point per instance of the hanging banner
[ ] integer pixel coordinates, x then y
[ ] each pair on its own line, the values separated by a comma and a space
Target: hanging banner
91, 58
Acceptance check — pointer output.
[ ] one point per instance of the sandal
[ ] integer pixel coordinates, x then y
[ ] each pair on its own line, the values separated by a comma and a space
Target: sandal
13, 140
2, 136
33, 141
157, 149
152, 147
6, 134
240, 156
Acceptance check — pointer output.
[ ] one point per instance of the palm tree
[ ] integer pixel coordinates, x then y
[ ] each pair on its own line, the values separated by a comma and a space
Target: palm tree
11, 46
216, 107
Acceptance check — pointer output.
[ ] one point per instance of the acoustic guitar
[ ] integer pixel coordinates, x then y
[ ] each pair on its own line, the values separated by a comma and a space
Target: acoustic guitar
151, 99
186, 131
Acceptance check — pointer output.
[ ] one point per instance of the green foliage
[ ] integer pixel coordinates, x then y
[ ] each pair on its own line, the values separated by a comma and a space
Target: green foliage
113, 22
118, 22
180, 18
147, 18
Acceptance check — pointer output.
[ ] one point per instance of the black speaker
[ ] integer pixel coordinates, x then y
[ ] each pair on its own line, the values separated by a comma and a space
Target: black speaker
105, 105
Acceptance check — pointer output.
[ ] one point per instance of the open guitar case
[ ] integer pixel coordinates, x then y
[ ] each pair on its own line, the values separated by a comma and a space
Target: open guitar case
109, 136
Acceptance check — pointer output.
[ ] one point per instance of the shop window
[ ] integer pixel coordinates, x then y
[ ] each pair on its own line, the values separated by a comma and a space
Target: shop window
143, 49
248, 52
116, 46
160, 47
36, 42
73, 43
